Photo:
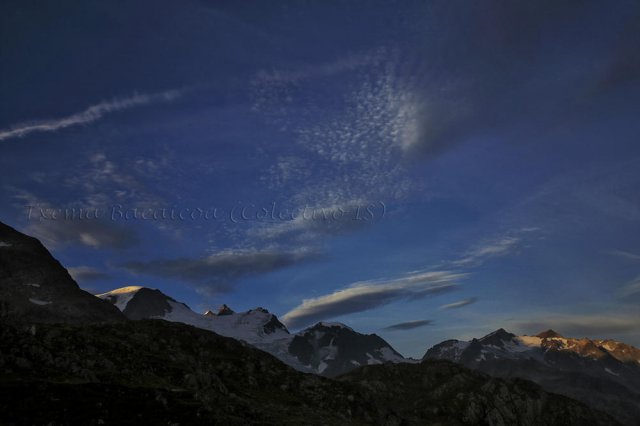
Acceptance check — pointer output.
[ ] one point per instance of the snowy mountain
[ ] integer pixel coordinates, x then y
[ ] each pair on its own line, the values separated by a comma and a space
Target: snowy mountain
328, 349
602, 373
254, 326
34, 287
332, 349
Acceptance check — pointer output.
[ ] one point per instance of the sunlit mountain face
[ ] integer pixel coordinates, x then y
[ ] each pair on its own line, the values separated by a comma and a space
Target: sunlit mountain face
423, 171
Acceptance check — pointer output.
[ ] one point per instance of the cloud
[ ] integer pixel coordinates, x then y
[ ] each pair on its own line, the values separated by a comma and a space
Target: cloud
578, 325
98, 187
311, 223
103, 182
409, 325
217, 272
86, 273
59, 226
91, 233
626, 255
460, 303
479, 255
351, 153
89, 115
319, 70
630, 289
362, 296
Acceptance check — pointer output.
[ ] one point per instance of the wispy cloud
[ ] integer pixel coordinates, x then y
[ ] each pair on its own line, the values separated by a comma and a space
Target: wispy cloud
312, 223
326, 69
86, 273
217, 272
626, 255
460, 303
584, 325
91, 233
409, 325
630, 289
365, 295
101, 187
355, 153
56, 226
497, 248
89, 115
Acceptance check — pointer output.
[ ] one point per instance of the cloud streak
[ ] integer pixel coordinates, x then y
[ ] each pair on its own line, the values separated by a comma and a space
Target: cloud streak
409, 325
626, 255
365, 295
89, 115
217, 272
630, 289
460, 303
480, 254
55, 226
86, 273
585, 325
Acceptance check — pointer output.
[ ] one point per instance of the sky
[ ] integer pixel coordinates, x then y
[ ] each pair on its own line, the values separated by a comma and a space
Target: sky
422, 170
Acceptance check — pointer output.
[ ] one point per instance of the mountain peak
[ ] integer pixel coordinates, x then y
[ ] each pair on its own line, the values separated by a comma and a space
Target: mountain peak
225, 310
137, 302
548, 334
324, 324
497, 336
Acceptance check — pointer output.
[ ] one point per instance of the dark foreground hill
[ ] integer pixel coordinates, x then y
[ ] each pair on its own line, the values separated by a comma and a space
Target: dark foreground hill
34, 286
443, 393
157, 372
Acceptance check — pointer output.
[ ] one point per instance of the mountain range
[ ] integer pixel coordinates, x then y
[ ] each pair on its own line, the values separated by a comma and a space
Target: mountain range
136, 355
601, 373
328, 349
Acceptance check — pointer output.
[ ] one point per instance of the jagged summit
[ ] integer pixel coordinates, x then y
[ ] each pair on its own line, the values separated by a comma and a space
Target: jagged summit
137, 302
225, 310
548, 334
497, 337
324, 324
331, 349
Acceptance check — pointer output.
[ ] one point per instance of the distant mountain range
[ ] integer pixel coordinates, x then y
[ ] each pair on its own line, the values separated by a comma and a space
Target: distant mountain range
68, 357
328, 349
602, 373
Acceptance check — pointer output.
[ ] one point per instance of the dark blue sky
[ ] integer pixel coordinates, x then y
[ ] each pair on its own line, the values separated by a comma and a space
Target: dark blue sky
473, 164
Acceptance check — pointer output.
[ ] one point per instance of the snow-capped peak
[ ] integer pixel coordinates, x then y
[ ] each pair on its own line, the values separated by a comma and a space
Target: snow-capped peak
548, 334
332, 325
120, 296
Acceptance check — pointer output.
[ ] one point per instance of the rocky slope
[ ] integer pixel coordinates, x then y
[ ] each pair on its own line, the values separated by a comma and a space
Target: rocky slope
34, 287
605, 374
332, 349
438, 392
158, 372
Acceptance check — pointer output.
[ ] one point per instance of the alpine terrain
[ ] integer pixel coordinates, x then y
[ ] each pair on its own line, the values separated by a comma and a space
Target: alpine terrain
602, 373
